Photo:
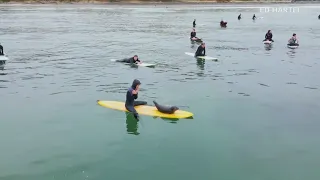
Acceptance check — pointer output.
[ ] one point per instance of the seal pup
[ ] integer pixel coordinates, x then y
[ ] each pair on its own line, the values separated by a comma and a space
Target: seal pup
165, 109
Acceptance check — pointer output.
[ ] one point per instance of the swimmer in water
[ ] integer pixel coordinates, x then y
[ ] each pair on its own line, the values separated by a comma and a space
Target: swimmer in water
293, 41
194, 23
193, 35
132, 60
239, 17
268, 36
132, 94
201, 51
254, 17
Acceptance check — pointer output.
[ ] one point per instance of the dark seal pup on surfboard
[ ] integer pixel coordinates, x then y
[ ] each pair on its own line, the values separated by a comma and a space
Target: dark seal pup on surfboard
165, 109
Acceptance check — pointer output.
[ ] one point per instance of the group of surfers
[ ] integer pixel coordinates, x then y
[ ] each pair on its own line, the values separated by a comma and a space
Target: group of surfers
293, 41
253, 17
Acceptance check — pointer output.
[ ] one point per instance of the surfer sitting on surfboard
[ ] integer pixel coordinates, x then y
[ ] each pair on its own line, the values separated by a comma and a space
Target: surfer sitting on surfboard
193, 35
268, 36
1, 50
194, 23
201, 51
132, 94
293, 41
131, 60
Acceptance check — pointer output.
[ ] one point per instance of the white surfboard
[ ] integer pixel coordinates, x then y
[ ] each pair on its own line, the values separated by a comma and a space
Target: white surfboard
267, 42
292, 47
4, 58
202, 57
141, 64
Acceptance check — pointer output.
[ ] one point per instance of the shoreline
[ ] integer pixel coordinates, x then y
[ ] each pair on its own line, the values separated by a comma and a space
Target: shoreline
181, 2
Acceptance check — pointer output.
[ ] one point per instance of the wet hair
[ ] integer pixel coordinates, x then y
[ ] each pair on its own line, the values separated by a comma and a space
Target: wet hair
294, 34
203, 44
135, 56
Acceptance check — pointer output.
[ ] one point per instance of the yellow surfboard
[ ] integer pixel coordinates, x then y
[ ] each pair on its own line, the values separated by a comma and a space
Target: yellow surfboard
145, 110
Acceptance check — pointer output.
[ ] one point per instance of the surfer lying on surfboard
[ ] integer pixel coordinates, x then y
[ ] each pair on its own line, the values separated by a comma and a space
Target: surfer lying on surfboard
201, 51
132, 94
132, 60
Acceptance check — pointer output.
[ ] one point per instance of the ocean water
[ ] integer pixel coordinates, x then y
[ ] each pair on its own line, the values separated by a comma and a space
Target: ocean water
256, 110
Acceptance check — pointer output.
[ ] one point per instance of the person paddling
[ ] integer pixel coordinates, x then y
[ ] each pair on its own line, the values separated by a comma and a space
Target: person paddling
131, 95
268, 36
1, 50
132, 60
201, 51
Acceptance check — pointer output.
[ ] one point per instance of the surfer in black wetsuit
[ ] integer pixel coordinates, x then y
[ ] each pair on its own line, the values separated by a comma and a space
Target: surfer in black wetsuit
223, 24
1, 50
193, 35
132, 94
239, 17
194, 23
319, 16
201, 51
268, 36
132, 60
254, 17
293, 41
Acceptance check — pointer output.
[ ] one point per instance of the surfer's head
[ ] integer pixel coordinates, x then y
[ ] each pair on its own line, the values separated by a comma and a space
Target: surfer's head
135, 57
203, 45
294, 34
135, 84
269, 31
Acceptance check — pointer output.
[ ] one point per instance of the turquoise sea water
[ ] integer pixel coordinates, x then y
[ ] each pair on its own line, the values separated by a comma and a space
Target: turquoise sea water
256, 109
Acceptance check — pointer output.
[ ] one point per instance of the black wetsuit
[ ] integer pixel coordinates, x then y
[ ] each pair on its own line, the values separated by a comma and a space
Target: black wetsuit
254, 17
129, 60
239, 17
223, 24
268, 36
319, 16
130, 99
1, 50
200, 51
194, 23
193, 34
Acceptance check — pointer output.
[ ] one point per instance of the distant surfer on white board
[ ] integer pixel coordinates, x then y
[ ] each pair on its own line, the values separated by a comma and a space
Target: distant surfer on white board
193, 35
239, 17
268, 36
293, 41
132, 60
201, 51
1, 50
254, 17
194, 23
132, 94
